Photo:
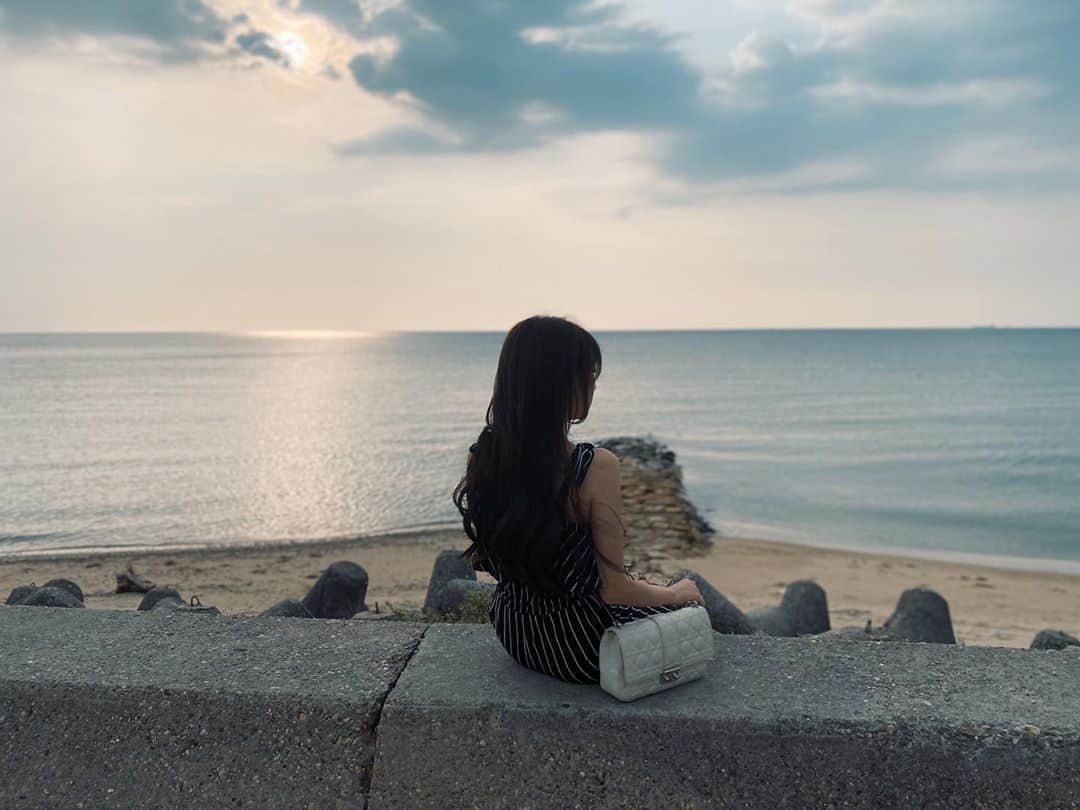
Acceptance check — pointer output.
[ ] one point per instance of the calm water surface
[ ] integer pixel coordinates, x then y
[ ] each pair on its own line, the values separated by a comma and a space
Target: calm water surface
963, 441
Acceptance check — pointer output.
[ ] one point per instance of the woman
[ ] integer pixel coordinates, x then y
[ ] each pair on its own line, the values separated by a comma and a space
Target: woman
545, 514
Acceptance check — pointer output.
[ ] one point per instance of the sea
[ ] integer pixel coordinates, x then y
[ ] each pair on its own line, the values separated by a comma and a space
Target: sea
960, 443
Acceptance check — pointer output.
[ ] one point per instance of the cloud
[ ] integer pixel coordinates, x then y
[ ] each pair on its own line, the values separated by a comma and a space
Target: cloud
892, 85
259, 43
183, 29
895, 87
400, 140
180, 30
484, 69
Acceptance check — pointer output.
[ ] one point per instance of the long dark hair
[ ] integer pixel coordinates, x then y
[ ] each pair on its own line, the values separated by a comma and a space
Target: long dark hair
518, 481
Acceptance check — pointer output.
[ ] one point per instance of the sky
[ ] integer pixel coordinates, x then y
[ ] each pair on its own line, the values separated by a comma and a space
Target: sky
362, 165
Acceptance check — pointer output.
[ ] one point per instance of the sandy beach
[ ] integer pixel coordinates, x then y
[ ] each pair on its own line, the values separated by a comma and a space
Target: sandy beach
989, 605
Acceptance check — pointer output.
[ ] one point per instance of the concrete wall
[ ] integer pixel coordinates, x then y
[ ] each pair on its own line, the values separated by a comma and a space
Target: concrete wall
159, 709
213, 711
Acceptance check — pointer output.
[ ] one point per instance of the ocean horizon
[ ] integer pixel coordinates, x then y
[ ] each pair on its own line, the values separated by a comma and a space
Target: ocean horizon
950, 442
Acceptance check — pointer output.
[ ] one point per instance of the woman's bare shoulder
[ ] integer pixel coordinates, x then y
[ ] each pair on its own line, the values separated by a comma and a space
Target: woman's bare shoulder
603, 467
601, 455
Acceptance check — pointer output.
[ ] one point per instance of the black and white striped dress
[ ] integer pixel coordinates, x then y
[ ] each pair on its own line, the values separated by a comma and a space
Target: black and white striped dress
560, 635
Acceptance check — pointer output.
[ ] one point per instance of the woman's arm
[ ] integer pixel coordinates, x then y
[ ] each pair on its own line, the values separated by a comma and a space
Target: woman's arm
601, 497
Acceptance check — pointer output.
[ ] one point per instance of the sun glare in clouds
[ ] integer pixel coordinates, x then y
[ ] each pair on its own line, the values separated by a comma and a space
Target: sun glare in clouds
312, 58
312, 49
293, 46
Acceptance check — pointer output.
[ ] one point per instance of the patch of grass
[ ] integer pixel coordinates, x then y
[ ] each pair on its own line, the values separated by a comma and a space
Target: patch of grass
474, 610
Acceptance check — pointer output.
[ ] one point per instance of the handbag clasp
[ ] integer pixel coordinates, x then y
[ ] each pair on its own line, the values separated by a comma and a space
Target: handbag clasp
671, 674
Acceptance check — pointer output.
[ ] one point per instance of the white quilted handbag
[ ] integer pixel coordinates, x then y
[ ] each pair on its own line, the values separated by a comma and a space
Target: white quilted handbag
655, 653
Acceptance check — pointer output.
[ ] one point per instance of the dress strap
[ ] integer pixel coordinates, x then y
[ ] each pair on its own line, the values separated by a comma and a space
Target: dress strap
583, 458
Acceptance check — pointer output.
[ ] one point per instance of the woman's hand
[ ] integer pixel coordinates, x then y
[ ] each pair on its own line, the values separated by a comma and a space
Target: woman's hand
686, 590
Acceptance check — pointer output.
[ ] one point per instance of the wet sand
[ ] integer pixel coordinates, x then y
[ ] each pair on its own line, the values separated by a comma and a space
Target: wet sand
989, 605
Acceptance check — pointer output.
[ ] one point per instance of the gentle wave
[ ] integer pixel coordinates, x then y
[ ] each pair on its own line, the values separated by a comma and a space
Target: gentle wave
955, 441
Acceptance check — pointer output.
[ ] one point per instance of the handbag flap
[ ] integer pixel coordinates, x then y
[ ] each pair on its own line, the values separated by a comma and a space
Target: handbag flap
687, 635
650, 645
637, 648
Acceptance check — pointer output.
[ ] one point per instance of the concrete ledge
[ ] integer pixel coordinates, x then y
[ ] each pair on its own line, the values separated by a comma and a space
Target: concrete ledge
164, 709
778, 722
157, 708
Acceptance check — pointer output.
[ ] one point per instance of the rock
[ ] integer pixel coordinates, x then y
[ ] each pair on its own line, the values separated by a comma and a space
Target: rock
773, 621
805, 602
803, 611
1054, 640
292, 608
52, 597
179, 606
168, 603
66, 585
453, 594
19, 593
921, 615
127, 581
156, 594
657, 510
338, 593
646, 451
448, 565
725, 617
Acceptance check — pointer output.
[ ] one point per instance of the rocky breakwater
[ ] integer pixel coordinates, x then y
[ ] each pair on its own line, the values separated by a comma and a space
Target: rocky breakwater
661, 522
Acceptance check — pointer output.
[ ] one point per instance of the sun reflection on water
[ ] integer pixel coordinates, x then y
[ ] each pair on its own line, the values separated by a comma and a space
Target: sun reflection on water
308, 334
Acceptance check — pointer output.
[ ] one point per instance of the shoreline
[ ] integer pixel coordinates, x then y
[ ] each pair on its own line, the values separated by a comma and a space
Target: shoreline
410, 535
991, 606
383, 537
998, 562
